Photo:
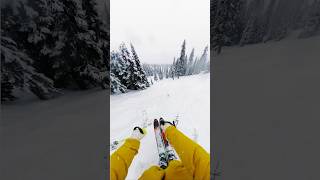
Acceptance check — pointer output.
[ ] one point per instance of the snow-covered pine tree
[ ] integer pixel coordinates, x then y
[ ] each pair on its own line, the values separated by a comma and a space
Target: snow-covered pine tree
190, 62
186, 65
207, 69
167, 72
91, 16
8, 23
312, 26
227, 23
235, 21
78, 59
173, 68
155, 76
268, 15
118, 68
215, 39
6, 87
17, 70
100, 34
219, 25
177, 68
160, 71
147, 69
142, 78
115, 85
280, 22
203, 60
195, 67
39, 27
126, 61
17, 73
254, 29
105, 46
182, 61
300, 15
135, 77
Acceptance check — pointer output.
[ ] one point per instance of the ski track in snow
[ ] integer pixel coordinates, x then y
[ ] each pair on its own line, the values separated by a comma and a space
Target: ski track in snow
188, 97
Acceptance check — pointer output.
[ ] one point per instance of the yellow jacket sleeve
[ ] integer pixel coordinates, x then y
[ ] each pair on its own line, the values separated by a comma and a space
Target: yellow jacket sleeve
192, 155
121, 159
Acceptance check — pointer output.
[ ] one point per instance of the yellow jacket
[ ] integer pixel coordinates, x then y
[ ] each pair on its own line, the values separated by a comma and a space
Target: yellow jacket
194, 164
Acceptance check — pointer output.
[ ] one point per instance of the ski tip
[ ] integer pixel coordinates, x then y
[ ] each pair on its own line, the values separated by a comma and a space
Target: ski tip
161, 121
155, 123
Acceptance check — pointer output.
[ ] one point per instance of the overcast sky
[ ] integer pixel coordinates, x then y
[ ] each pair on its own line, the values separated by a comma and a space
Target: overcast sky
157, 28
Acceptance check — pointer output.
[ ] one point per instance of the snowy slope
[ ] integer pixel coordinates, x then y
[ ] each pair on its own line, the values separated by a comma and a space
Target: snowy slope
188, 97
266, 113
62, 138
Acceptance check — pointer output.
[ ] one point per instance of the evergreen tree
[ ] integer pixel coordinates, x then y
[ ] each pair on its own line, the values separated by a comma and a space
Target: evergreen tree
142, 78
236, 21
127, 72
190, 62
98, 31
65, 40
215, 30
203, 60
268, 17
195, 67
128, 64
227, 23
40, 33
17, 73
78, 59
17, 70
115, 85
280, 22
167, 72
254, 30
182, 61
160, 71
119, 70
300, 15
173, 68
155, 77
312, 26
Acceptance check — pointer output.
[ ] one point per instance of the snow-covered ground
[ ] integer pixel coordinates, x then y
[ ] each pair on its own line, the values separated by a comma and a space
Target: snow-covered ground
266, 110
265, 99
63, 138
188, 97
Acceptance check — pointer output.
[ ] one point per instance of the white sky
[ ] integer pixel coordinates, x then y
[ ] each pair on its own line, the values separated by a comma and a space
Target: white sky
157, 28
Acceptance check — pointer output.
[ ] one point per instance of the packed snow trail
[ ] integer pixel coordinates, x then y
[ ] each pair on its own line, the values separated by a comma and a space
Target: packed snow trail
266, 110
188, 97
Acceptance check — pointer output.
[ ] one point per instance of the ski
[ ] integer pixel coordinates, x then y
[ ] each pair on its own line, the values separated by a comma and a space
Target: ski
171, 155
160, 145
145, 124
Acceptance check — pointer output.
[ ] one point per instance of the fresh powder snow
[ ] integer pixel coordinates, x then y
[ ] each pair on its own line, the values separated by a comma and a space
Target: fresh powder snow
266, 104
187, 97
61, 138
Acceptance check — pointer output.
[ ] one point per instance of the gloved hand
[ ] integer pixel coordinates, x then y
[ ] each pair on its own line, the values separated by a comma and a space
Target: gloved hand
166, 124
138, 133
